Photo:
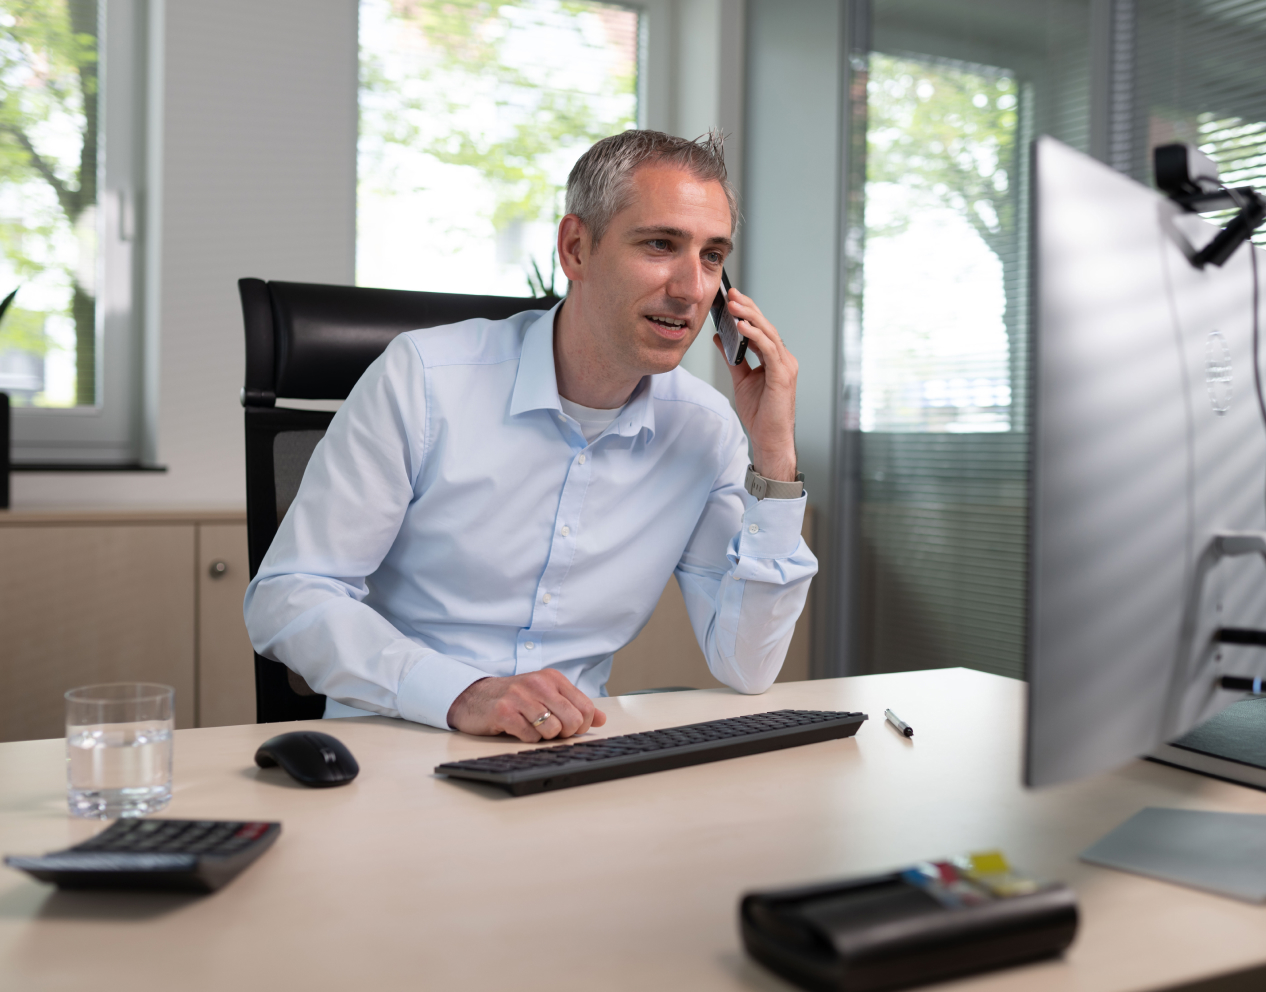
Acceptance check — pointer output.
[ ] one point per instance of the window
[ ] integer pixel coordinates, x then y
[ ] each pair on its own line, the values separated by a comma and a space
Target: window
48, 204
471, 116
940, 217
68, 78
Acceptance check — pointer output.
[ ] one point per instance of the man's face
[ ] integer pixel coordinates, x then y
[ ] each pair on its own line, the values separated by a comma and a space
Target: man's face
650, 281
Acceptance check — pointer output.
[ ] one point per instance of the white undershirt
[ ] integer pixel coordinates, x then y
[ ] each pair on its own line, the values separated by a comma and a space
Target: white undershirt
592, 422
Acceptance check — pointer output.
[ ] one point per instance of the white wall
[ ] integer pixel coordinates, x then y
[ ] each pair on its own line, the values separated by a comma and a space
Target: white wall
794, 184
793, 202
254, 143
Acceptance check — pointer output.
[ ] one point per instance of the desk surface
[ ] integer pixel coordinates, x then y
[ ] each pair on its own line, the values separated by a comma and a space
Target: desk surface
404, 880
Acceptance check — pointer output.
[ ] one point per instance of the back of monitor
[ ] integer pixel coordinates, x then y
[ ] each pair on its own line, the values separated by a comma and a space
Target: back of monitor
1146, 444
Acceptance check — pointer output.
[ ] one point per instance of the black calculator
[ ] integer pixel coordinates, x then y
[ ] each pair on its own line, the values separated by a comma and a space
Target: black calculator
171, 855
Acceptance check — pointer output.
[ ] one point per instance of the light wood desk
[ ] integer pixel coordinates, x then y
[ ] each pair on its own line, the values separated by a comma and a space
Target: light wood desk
406, 881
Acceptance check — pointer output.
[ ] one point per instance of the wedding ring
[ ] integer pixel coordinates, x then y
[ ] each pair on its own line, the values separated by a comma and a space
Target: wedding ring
541, 719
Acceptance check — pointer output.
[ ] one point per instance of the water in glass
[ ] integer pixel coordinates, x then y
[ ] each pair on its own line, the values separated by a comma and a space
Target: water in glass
119, 769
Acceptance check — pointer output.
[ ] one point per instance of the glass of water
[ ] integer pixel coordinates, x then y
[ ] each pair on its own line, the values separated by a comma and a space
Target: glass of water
118, 748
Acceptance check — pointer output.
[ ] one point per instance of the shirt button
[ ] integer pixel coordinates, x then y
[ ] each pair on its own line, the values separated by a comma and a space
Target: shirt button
581, 459
565, 531
530, 645
752, 528
546, 598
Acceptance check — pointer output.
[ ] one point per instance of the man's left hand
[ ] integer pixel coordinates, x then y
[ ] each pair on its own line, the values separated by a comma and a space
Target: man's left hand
765, 396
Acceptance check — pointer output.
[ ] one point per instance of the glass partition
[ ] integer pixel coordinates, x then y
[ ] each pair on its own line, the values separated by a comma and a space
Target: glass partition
954, 91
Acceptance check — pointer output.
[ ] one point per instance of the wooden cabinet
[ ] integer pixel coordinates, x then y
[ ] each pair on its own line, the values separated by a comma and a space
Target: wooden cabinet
122, 596
226, 661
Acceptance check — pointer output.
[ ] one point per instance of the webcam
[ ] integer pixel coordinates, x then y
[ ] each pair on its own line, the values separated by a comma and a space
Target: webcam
1190, 178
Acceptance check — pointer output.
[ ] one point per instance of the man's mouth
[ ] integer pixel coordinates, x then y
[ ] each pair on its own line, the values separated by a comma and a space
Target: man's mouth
671, 326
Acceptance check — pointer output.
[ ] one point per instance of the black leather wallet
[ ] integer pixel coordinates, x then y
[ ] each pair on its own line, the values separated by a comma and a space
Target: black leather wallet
935, 921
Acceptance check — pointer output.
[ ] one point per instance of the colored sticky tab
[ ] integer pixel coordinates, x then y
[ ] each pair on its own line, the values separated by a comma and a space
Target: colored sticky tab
989, 863
969, 879
1006, 886
990, 870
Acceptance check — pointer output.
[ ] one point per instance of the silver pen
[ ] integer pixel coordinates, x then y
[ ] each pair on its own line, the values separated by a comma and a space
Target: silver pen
900, 724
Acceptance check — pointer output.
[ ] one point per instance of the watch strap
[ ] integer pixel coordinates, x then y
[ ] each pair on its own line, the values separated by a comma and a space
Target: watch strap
763, 488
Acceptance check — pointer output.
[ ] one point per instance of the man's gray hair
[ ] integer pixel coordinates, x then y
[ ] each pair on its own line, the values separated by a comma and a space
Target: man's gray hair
601, 182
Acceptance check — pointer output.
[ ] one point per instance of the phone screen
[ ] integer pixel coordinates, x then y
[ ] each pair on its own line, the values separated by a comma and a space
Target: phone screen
732, 341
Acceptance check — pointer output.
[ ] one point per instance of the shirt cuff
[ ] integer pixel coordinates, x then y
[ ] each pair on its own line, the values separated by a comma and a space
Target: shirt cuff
428, 689
771, 528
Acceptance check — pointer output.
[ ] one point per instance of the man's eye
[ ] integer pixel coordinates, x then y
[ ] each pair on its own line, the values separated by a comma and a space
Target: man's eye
659, 244
714, 257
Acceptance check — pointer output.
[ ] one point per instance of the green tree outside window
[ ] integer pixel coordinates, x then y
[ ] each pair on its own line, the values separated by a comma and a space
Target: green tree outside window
941, 139
48, 175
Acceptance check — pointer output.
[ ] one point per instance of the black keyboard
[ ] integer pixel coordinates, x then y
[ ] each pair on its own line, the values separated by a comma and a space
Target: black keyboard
565, 765
181, 855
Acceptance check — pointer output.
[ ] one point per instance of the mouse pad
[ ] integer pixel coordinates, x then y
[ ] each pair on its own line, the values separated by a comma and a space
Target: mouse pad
1223, 853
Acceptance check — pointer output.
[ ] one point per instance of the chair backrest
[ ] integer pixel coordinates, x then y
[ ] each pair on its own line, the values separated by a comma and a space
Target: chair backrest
307, 341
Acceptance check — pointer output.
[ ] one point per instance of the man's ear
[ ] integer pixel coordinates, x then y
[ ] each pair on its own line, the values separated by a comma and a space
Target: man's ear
574, 247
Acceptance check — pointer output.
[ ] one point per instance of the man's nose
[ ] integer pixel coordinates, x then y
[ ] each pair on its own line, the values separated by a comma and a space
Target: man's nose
690, 281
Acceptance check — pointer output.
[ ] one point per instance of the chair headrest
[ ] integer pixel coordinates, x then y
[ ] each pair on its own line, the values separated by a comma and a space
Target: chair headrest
324, 337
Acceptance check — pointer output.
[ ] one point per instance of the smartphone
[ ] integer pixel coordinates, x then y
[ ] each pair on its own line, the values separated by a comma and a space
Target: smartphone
732, 341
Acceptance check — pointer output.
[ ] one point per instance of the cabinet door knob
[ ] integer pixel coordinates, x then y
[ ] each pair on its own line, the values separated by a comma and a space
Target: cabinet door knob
218, 568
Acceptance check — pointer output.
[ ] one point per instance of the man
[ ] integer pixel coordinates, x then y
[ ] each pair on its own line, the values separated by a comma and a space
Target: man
496, 508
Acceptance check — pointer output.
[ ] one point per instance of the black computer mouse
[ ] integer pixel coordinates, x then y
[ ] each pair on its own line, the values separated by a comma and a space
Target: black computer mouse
310, 758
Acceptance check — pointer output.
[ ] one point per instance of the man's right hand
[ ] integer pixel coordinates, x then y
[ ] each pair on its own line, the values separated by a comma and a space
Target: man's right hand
511, 705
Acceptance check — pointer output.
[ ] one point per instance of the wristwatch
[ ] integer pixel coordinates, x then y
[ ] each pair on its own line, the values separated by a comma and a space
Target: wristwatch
763, 488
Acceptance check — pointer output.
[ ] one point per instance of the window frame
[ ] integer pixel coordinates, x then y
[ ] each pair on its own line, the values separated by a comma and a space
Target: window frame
656, 79
108, 434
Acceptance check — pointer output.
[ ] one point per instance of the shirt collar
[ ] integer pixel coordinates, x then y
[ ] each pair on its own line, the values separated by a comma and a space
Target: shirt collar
536, 384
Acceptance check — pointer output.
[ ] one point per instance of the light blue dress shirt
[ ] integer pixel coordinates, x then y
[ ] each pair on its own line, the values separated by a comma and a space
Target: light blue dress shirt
454, 523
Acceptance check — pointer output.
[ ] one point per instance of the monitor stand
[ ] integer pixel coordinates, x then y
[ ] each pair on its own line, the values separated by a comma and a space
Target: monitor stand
1223, 853
1217, 852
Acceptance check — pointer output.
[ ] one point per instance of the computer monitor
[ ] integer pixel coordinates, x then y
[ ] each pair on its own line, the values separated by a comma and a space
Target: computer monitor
1147, 445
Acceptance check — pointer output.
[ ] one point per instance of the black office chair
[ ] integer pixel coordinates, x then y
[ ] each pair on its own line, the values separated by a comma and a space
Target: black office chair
312, 342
